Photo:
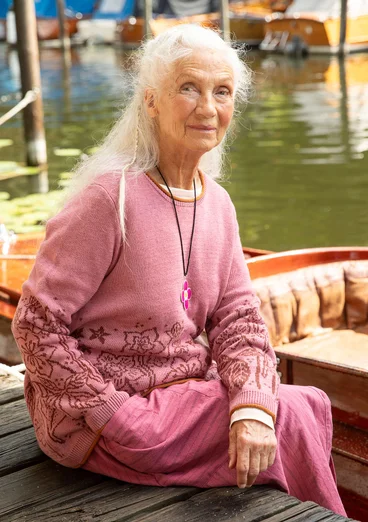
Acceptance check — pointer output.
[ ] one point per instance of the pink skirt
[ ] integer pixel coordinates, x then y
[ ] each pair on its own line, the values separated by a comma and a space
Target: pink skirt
179, 436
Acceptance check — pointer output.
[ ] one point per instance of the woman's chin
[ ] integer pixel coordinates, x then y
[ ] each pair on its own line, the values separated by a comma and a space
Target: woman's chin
202, 146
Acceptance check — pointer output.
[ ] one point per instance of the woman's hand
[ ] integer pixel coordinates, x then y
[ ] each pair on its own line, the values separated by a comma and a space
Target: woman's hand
252, 449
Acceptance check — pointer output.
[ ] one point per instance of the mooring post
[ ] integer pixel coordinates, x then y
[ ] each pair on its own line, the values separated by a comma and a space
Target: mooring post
29, 62
343, 23
64, 36
147, 18
225, 20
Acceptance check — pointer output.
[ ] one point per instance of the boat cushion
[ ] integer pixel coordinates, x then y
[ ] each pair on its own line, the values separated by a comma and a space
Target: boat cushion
307, 301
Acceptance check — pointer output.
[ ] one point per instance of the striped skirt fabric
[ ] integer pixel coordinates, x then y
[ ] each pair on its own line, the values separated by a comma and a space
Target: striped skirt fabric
180, 436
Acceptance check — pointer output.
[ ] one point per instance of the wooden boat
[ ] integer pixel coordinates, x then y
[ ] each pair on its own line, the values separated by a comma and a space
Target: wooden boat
247, 22
48, 29
315, 304
313, 26
47, 19
130, 32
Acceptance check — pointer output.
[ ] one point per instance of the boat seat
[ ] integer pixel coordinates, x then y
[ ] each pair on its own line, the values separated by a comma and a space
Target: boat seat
317, 319
315, 300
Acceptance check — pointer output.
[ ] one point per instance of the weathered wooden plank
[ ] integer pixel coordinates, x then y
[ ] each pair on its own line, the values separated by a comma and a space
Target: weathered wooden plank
105, 502
43, 482
19, 450
230, 504
14, 417
306, 511
11, 394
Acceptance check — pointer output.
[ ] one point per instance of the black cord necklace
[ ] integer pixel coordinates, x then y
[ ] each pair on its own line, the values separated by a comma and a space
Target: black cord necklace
186, 293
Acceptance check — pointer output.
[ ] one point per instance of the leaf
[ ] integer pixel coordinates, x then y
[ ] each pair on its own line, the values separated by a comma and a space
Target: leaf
92, 150
4, 196
66, 175
5, 166
6, 142
67, 152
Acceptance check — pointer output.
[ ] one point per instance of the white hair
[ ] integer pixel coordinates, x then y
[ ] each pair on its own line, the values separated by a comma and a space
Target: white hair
132, 142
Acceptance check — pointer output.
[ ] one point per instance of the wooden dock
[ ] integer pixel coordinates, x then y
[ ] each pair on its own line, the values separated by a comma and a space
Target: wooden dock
33, 488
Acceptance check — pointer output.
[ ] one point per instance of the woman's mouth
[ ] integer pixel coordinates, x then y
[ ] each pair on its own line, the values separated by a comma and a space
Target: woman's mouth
202, 128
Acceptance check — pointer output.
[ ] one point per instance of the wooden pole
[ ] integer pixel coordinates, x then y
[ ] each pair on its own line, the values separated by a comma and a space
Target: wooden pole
147, 18
343, 23
225, 21
27, 45
64, 36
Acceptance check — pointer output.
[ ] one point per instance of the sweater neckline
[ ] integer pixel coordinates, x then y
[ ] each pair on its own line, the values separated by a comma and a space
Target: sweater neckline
180, 201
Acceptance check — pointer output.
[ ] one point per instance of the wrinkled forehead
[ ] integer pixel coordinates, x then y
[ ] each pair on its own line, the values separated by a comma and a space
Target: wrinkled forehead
205, 63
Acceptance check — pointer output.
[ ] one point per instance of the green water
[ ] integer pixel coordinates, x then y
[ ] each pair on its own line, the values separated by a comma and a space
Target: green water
299, 164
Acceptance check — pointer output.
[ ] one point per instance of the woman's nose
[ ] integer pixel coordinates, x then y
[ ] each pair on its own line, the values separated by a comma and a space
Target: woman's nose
206, 105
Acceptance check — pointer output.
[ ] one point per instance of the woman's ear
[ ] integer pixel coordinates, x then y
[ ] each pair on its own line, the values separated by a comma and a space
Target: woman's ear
150, 101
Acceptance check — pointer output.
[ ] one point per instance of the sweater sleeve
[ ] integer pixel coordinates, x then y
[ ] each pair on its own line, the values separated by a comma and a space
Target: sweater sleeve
81, 245
239, 340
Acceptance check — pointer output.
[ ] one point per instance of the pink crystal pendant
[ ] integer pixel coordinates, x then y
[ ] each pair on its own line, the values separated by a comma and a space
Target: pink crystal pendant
185, 295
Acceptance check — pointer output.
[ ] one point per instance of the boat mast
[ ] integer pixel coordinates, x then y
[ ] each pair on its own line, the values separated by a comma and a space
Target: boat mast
64, 36
343, 22
27, 46
147, 18
225, 21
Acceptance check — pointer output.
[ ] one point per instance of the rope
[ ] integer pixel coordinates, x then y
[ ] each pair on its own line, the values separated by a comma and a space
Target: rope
29, 97
15, 371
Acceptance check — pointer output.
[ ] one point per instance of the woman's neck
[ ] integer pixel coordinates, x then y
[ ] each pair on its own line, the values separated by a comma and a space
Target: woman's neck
177, 174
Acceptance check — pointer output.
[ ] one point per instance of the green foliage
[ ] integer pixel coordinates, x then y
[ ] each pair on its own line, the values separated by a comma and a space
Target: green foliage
29, 213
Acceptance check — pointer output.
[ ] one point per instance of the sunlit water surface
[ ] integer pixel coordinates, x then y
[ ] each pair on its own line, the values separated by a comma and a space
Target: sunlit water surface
298, 169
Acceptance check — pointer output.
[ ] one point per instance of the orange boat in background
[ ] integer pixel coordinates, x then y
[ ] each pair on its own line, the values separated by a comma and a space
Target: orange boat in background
247, 22
313, 26
48, 29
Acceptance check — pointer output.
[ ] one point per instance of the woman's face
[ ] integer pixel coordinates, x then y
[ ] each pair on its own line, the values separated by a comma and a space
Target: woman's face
195, 103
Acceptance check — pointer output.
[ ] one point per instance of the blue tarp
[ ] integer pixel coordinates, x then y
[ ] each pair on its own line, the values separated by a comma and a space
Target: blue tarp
114, 9
4, 6
48, 8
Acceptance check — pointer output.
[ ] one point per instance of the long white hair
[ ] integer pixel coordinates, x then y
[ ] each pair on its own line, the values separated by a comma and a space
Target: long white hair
132, 142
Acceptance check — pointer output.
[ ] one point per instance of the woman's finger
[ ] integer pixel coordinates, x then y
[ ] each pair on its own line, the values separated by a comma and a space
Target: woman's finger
272, 456
254, 466
242, 464
232, 449
263, 465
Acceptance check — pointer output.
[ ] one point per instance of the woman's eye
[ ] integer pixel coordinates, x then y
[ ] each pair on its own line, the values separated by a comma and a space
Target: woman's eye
188, 88
223, 92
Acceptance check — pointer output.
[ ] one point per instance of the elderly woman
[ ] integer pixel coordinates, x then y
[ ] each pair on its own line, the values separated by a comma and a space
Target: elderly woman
142, 260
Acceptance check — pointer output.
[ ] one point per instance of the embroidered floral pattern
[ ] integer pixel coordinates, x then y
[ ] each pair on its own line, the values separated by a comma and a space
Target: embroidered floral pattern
253, 361
68, 374
143, 342
99, 334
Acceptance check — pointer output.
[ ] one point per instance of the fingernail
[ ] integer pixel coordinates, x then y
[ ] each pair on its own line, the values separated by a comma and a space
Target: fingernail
242, 486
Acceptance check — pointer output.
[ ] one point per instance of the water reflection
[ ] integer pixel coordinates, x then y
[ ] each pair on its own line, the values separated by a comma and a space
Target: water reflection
298, 165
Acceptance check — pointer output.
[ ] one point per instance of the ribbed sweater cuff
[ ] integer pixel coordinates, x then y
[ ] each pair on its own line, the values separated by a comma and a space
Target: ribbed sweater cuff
96, 419
254, 399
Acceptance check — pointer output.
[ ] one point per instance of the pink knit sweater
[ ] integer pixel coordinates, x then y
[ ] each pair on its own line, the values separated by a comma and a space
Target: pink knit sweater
100, 320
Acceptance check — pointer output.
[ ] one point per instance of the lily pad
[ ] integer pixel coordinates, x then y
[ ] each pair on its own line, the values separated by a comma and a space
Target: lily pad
5, 166
4, 196
66, 175
6, 142
67, 152
29, 213
92, 150
20, 170
64, 182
